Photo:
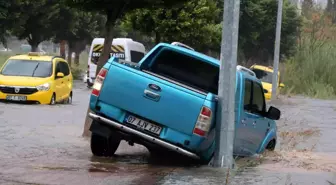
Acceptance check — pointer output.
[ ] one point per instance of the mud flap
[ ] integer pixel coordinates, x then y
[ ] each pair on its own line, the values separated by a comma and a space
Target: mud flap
100, 129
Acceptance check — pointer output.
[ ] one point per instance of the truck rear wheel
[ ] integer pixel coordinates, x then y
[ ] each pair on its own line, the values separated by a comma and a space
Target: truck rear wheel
103, 147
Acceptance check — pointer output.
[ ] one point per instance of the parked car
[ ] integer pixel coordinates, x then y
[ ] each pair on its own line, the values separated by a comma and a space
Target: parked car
35, 78
168, 102
265, 74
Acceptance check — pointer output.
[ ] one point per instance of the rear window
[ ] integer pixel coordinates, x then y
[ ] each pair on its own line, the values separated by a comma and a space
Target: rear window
27, 68
187, 70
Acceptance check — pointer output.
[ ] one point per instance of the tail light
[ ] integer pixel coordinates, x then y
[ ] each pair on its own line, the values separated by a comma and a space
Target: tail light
99, 82
203, 123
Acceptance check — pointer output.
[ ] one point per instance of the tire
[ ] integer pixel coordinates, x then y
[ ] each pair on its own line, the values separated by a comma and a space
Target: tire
271, 145
102, 147
69, 99
53, 99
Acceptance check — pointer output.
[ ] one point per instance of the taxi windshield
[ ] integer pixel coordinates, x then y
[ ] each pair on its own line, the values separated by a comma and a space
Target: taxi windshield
32, 68
264, 76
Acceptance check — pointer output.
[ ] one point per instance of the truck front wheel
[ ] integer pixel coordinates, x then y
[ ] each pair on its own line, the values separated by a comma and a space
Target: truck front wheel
103, 147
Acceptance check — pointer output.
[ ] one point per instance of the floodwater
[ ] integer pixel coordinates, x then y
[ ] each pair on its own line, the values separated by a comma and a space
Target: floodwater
43, 145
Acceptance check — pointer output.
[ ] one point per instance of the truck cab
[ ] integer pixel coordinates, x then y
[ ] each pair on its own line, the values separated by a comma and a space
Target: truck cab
168, 101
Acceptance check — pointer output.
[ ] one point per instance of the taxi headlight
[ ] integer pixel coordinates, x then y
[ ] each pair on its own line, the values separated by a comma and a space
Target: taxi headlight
43, 87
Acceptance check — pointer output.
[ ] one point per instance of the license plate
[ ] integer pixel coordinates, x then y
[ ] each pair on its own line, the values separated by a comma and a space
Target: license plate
16, 98
144, 125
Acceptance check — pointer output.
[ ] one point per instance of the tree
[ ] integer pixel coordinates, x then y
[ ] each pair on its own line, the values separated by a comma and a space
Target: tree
114, 10
78, 28
331, 9
307, 6
5, 24
257, 30
196, 23
34, 20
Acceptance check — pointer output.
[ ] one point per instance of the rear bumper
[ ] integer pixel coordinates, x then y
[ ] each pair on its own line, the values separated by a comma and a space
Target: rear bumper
143, 136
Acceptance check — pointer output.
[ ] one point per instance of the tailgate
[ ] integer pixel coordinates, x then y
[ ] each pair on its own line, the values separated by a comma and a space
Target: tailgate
175, 107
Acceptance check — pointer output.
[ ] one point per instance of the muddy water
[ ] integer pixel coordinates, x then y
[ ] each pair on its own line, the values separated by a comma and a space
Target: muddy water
43, 145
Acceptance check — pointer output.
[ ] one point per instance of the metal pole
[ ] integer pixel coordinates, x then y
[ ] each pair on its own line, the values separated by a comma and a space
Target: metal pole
223, 156
277, 51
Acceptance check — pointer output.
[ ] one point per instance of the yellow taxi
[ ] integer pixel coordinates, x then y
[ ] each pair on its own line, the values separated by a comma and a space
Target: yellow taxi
36, 78
265, 74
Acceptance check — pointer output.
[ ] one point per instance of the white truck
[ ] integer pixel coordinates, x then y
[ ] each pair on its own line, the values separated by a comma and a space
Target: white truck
123, 48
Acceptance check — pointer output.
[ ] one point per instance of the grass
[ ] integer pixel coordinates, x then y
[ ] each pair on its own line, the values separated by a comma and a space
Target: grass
4, 56
77, 71
312, 73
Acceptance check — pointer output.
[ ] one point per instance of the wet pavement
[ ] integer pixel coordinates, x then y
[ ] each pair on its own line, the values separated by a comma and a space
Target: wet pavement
43, 145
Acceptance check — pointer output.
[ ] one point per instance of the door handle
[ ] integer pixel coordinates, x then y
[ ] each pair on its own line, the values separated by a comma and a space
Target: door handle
151, 95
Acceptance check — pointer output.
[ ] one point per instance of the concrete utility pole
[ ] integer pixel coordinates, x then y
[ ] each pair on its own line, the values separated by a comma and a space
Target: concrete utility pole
277, 51
227, 83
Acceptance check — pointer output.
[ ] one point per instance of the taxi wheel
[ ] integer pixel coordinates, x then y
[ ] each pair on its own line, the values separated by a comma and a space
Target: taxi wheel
69, 100
53, 99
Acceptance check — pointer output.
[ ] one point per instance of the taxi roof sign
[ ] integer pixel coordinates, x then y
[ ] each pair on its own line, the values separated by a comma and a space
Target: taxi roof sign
33, 54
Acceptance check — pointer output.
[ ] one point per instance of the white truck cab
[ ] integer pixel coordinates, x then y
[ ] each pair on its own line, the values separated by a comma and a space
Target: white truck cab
123, 48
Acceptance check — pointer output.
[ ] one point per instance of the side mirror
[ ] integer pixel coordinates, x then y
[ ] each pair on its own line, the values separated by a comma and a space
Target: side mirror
273, 113
281, 85
60, 75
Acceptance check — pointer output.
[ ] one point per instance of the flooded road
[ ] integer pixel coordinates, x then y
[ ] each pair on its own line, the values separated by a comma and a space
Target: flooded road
43, 145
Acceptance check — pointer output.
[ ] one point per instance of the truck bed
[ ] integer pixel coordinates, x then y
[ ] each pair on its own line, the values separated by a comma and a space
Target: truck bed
153, 98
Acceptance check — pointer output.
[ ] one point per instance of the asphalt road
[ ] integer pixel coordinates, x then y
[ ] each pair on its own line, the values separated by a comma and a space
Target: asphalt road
43, 145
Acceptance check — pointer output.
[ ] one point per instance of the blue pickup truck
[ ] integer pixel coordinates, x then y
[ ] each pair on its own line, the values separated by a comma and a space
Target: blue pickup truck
168, 101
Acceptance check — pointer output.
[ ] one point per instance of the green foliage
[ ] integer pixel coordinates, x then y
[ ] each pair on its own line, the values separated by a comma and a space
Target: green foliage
4, 57
5, 23
312, 73
125, 5
114, 10
198, 23
195, 23
33, 20
76, 25
77, 72
258, 25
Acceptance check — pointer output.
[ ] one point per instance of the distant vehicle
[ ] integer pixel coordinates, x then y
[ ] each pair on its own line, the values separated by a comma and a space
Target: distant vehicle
123, 48
265, 74
37, 79
25, 48
168, 101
